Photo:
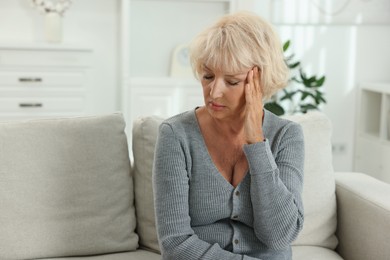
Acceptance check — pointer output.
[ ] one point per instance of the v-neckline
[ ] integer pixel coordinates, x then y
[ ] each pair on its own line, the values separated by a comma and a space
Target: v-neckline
215, 170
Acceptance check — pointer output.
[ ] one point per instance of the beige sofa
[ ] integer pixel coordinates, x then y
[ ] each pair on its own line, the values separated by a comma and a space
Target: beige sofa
67, 191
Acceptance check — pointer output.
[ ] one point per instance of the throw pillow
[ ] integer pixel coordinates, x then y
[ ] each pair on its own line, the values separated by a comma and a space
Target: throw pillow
65, 188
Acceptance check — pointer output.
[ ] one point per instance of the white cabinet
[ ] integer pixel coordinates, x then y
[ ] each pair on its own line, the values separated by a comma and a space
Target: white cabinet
43, 81
372, 149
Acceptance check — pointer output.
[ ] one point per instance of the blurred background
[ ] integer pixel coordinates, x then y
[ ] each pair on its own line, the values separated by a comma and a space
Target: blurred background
60, 58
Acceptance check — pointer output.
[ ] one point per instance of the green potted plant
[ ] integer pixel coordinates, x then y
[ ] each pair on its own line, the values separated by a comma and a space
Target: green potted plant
302, 94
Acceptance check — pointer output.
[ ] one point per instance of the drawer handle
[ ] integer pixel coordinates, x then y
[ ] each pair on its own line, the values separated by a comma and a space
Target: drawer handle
30, 104
30, 79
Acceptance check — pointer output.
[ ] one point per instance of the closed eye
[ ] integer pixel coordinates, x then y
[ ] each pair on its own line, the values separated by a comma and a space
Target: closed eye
208, 77
233, 83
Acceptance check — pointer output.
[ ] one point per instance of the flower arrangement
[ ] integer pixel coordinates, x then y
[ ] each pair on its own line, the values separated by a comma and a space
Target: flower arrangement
49, 6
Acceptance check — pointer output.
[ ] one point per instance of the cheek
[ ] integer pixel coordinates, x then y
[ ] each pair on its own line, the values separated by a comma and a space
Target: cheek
241, 93
206, 92
236, 96
241, 97
205, 88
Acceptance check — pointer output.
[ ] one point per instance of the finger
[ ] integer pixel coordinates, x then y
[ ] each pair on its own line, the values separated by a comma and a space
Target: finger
256, 79
249, 87
248, 94
259, 84
250, 77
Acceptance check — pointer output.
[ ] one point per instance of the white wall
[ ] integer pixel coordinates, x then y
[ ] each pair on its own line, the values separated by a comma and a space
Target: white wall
93, 24
157, 27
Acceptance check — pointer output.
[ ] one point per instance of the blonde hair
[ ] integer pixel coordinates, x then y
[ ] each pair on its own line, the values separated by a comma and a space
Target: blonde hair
238, 42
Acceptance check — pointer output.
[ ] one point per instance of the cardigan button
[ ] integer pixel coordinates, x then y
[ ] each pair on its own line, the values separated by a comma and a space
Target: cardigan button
236, 241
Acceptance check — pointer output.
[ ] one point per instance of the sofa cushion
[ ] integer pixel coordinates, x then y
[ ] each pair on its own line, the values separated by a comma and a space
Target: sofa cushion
134, 255
319, 189
65, 188
314, 253
319, 181
145, 132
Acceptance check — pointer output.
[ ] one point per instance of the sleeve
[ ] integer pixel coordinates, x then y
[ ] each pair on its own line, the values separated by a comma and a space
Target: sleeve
276, 187
171, 185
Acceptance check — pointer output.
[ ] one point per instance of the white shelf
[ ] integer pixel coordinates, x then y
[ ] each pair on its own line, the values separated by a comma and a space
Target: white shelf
379, 87
372, 149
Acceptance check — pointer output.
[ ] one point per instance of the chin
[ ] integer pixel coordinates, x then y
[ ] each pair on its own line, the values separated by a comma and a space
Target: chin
220, 115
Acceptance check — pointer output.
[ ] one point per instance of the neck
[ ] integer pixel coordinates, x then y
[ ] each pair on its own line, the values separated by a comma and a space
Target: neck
230, 128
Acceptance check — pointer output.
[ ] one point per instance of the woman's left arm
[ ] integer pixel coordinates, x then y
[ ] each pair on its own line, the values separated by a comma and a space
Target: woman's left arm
276, 187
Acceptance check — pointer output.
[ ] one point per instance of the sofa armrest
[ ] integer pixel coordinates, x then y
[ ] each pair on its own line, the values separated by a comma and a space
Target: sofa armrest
363, 216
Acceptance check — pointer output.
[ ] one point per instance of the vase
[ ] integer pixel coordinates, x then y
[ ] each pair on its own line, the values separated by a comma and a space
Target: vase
53, 27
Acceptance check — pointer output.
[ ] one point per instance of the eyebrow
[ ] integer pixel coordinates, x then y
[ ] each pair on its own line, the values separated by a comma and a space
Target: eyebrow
207, 68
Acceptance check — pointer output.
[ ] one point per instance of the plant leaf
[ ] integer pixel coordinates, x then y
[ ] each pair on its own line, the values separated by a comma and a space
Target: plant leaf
286, 45
302, 74
288, 58
307, 107
305, 94
312, 79
288, 95
294, 65
305, 80
296, 80
274, 108
320, 97
320, 81
308, 86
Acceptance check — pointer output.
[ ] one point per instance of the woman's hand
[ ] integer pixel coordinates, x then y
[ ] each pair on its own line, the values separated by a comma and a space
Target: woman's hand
253, 124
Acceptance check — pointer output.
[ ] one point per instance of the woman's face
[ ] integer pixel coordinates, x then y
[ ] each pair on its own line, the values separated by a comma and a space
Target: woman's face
224, 93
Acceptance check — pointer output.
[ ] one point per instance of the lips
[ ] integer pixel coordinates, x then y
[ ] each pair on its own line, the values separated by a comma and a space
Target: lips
215, 105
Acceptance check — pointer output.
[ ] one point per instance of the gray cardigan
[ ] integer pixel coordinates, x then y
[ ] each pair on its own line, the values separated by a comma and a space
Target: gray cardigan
200, 215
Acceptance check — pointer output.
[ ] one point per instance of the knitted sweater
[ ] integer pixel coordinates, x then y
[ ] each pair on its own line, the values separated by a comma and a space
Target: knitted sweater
200, 215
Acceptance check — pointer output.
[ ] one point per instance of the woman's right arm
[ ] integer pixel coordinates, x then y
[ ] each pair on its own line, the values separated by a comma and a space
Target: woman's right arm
171, 185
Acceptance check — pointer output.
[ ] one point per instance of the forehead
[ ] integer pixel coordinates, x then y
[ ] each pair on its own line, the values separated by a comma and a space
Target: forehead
226, 72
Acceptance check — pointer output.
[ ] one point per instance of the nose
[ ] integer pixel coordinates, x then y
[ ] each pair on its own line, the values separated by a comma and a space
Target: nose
216, 89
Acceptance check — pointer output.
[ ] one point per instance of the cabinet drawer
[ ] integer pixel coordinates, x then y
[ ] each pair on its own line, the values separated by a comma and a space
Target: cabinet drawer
44, 58
44, 105
38, 93
19, 78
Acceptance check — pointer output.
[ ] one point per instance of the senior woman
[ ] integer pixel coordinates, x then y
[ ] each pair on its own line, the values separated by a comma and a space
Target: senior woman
228, 175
